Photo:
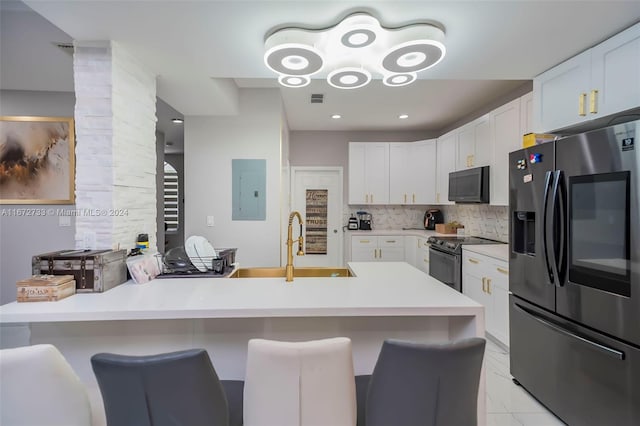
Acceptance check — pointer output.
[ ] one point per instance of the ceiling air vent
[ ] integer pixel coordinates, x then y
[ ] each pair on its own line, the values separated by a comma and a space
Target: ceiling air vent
65, 47
317, 98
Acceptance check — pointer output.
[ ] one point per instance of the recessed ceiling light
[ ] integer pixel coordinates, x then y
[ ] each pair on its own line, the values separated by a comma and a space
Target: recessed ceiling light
336, 116
177, 120
294, 81
169, 143
403, 116
397, 80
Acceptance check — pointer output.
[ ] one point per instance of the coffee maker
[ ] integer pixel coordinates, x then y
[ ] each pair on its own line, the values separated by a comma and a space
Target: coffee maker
431, 218
364, 220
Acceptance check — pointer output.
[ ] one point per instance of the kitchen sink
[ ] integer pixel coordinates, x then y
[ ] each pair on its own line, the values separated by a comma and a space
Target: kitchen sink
299, 272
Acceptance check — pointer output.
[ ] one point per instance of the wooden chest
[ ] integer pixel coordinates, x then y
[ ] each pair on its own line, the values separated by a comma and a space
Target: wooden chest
93, 270
41, 288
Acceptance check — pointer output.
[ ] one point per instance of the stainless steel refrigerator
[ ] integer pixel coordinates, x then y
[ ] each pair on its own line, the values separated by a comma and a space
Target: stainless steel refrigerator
574, 275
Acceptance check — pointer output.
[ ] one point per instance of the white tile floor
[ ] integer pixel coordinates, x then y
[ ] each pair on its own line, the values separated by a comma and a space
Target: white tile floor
507, 403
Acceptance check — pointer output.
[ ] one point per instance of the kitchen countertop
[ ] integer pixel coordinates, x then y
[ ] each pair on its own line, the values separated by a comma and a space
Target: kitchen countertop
378, 289
401, 232
497, 251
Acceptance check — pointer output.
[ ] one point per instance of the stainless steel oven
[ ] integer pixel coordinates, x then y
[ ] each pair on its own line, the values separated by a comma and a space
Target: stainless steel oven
445, 258
446, 267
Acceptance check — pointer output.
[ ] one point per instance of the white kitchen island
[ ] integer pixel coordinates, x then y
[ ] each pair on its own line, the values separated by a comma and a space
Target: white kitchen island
382, 300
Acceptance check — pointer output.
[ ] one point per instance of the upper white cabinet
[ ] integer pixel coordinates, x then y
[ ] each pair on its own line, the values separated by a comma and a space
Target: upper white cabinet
507, 136
526, 114
615, 72
474, 143
368, 173
445, 164
598, 82
412, 172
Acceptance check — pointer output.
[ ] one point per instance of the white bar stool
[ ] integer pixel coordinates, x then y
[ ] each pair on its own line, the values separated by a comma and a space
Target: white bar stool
300, 383
39, 387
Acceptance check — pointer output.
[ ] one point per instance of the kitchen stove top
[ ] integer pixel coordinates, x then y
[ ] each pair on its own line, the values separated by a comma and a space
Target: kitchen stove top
454, 244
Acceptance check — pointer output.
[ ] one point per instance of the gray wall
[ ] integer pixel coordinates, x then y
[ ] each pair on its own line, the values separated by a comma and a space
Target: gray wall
22, 237
211, 142
320, 148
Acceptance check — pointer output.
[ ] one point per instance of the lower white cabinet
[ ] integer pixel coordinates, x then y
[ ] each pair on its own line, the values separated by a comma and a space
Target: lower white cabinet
422, 254
486, 280
381, 248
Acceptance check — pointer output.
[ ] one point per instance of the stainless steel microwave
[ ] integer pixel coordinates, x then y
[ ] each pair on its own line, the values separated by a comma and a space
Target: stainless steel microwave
470, 185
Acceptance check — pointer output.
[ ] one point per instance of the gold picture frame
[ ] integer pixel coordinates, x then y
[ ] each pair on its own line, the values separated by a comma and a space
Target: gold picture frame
37, 160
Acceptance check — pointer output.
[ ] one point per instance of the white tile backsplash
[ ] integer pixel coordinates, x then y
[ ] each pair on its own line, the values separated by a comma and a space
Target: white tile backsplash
480, 220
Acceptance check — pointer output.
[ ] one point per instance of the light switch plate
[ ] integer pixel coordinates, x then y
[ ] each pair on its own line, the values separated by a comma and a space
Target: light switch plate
210, 221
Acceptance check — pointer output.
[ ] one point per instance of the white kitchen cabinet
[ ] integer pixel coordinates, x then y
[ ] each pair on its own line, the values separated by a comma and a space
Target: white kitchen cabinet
558, 99
526, 114
507, 137
412, 172
381, 248
474, 283
474, 144
486, 280
410, 249
601, 81
445, 164
422, 254
368, 173
615, 72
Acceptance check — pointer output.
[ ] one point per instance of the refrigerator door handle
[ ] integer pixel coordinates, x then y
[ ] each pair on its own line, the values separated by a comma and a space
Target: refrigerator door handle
545, 208
560, 194
555, 249
594, 345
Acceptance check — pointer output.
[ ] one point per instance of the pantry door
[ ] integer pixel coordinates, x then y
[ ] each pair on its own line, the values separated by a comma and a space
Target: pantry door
317, 195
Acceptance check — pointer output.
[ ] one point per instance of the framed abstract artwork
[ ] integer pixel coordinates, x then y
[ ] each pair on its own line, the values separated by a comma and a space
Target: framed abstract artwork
37, 160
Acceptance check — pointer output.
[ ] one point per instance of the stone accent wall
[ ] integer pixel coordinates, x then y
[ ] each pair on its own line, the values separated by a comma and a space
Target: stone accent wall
116, 147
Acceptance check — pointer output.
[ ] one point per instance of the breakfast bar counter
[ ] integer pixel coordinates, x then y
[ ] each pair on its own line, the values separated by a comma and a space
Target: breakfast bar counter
382, 300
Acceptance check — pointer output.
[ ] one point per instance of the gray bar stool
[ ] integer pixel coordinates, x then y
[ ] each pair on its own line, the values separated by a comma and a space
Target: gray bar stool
178, 388
417, 384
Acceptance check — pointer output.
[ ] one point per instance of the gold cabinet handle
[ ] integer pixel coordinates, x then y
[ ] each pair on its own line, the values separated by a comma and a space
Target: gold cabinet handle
438, 197
414, 198
593, 102
426, 260
582, 99
484, 280
473, 260
366, 198
489, 285
380, 251
364, 241
503, 271
372, 198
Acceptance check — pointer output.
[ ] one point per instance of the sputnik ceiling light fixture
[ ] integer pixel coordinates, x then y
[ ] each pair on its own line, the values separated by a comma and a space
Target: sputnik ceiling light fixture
353, 52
